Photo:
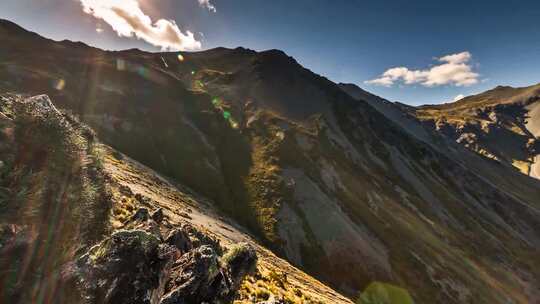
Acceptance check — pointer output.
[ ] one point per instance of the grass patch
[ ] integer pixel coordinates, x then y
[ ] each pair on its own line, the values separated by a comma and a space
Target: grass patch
383, 293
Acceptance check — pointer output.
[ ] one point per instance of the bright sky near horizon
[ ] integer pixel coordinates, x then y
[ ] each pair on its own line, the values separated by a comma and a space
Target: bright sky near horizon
417, 52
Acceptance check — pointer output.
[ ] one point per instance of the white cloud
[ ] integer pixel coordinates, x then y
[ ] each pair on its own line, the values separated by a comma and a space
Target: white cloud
206, 4
459, 97
454, 69
128, 20
456, 58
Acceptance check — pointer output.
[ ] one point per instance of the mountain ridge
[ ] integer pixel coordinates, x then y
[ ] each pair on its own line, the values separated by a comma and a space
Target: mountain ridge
498, 90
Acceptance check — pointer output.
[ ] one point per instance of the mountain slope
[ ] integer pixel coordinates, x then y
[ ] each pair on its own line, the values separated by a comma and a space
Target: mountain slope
324, 180
396, 112
72, 195
511, 181
501, 124
181, 206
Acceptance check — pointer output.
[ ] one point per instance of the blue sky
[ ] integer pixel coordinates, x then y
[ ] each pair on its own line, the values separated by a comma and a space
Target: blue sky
346, 41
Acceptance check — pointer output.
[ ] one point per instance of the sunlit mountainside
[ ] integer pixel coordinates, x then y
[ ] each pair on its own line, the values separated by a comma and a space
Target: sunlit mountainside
235, 175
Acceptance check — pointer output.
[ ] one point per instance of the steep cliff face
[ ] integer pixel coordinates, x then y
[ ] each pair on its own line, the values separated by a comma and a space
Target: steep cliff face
346, 189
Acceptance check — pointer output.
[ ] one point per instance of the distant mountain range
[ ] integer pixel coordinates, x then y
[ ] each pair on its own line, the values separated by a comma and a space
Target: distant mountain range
441, 200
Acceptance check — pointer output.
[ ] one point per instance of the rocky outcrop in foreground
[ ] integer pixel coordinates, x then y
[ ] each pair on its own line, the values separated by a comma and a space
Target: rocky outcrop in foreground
139, 265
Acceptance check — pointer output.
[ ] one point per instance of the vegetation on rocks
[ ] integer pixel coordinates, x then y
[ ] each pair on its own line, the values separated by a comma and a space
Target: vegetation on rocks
271, 287
56, 201
174, 270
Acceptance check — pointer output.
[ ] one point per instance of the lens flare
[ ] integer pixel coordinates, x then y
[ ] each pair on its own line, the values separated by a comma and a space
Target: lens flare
59, 84
216, 102
180, 57
164, 62
142, 71
120, 64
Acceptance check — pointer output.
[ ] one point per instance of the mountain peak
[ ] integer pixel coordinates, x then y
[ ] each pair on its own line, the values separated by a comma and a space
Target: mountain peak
275, 56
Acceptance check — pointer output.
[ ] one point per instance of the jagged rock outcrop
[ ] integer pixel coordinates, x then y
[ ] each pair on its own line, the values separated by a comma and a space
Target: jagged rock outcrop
180, 239
137, 267
195, 277
124, 268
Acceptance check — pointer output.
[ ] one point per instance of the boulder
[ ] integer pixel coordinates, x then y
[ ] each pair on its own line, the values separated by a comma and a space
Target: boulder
157, 215
142, 214
142, 220
200, 276
180, 240
198, 238
192, 277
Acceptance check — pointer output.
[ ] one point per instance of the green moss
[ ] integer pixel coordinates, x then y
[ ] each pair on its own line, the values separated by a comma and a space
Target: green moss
234, 252
98, 252
137, 239
383, 293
